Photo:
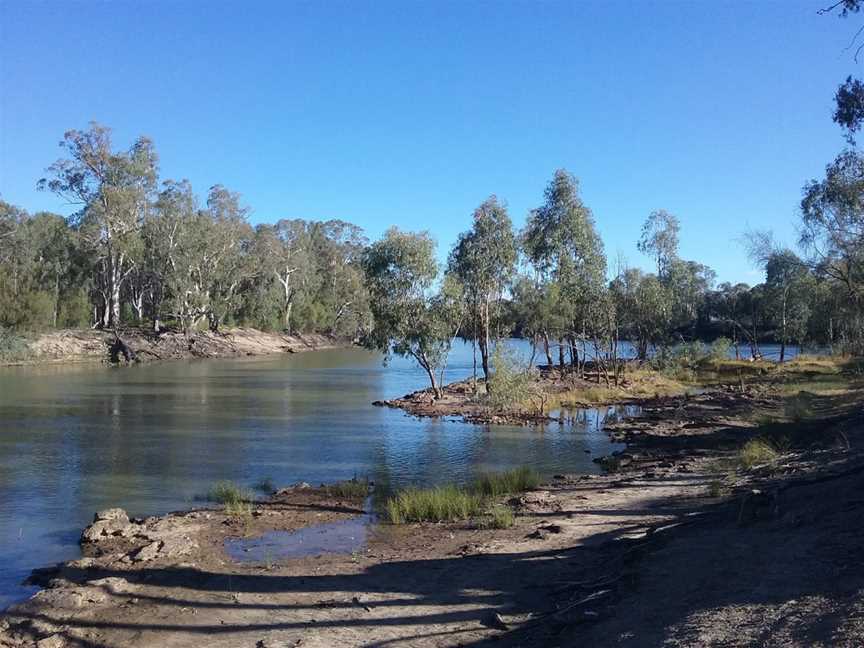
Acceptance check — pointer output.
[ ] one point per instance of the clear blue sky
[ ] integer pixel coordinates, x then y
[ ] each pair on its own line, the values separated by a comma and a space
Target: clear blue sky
412, 113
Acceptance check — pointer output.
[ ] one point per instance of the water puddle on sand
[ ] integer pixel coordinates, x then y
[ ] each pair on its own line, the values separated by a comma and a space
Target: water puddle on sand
342, 537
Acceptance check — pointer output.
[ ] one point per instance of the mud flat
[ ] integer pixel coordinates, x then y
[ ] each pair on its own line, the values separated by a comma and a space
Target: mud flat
678, 545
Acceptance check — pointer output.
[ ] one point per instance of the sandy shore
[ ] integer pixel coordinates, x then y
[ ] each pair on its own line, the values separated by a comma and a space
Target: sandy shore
138, 345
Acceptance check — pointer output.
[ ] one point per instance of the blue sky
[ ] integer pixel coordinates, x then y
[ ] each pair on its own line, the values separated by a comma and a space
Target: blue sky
412, 113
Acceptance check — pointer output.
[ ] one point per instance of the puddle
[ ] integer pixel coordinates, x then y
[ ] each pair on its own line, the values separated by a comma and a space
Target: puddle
343, 537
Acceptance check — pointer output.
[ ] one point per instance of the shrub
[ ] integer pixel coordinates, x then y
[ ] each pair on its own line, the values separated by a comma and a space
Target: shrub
13, 347
510, 382
719, 349
438, 504
756, 452
798, 407
506, 483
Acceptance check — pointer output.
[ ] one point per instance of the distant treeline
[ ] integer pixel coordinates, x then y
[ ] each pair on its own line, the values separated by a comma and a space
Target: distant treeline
144, 252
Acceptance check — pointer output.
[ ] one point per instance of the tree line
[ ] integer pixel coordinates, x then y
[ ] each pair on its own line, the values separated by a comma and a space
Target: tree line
140, 251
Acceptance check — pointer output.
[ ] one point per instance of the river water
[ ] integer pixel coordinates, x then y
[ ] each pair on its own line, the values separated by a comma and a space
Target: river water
154, 438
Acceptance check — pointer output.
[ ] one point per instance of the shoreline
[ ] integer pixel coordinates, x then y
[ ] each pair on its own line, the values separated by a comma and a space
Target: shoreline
642, 554
138, 346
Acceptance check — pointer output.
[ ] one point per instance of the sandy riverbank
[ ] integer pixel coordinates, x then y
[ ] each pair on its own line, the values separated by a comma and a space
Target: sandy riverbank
138, 345
678, 545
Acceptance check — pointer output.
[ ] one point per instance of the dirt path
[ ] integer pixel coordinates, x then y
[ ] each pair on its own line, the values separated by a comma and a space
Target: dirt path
650, 555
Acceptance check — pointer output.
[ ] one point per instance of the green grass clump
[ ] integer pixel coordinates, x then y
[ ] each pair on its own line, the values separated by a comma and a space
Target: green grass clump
439, 504
506, 483
229, 494
349, 489
498, 517
756, 452
238, 509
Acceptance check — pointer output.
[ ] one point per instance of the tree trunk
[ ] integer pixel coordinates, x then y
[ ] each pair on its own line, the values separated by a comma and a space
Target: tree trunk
288, 306
484, 343
549, 362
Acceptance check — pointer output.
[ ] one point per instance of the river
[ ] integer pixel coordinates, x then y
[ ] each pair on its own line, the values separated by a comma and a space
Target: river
154, 438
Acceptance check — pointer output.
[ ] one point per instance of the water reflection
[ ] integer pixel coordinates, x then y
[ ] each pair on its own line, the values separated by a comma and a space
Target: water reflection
152, 438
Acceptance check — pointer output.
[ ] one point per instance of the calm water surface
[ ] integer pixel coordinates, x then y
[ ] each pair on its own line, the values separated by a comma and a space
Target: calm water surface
153, 438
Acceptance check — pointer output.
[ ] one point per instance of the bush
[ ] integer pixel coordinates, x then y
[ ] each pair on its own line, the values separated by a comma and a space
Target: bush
756, 452
439, 504
13, 347
510, 383
506, 483
719, 349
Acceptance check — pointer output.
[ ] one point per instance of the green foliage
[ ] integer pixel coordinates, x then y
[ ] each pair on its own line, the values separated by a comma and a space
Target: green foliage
720, 349
13, 347
508, 482
439, 504
409, 319
757, 452
498, 517
230, 494
452, 503
349, 489
511, 380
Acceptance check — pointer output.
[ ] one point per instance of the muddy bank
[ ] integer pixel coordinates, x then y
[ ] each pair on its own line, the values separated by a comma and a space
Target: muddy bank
139, 345
654, 553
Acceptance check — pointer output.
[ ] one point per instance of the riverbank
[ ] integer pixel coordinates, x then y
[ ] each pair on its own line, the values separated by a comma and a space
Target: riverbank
142, 346
694, 539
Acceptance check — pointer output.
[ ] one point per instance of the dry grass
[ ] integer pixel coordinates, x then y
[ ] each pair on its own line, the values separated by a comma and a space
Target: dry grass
638, 383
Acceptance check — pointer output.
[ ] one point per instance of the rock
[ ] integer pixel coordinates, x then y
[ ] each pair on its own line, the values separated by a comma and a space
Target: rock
113, 584
54, 641
109, 523
494, 620
112, 514
147, 552
175, 546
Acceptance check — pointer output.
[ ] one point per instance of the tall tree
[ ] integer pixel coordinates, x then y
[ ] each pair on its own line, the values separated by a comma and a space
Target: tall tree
660, 240
410, 320
484, 261
561, 242
113, 191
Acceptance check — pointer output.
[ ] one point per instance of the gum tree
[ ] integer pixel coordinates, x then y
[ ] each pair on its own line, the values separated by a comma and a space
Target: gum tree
484, 262
410, 319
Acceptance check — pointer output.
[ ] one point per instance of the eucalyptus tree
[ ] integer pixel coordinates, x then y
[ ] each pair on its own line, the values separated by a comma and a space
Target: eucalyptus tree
484, 262
113, 191
832, 222
788, 289
561, 243
285, 254
410, 320
225, 263
660, 239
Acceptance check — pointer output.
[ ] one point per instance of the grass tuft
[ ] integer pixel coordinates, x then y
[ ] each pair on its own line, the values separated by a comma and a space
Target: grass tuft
439, 504
498, 517
237, 500
507, 482
756, 452
349, 489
